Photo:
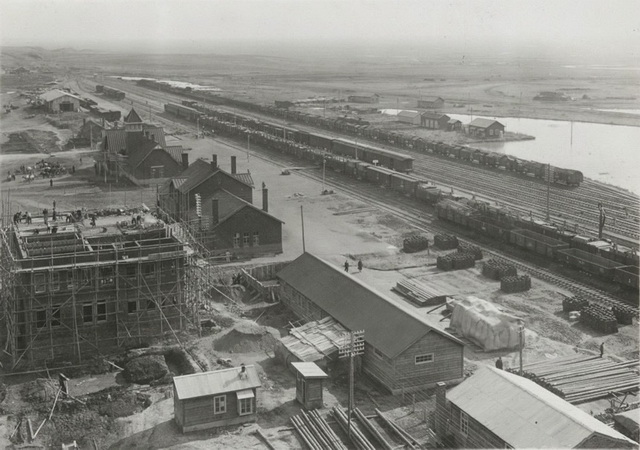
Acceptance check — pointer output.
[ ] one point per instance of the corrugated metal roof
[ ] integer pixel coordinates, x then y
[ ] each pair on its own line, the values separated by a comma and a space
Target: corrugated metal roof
356, 306
244, 178
178, 181
216, 382
56, 93
524, 414
483, 123
309, 370
115, 140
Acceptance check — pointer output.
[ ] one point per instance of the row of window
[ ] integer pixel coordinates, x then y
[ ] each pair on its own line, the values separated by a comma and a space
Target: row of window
246, 240
245, 405
106, 276
97, 312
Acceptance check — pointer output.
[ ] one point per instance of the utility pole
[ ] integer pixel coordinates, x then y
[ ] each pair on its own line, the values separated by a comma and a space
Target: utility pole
521, 338
302, 219
352, 346
248, 146
324, 163
548, 188
601, 220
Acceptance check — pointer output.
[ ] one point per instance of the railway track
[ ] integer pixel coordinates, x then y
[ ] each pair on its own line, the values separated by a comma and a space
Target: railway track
409, 210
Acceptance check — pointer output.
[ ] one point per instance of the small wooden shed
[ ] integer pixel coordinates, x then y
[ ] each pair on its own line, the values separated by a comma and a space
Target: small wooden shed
309, 384
215, 399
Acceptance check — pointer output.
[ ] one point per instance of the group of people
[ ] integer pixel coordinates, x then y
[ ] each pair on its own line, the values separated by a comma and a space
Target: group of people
346, 266
17, 217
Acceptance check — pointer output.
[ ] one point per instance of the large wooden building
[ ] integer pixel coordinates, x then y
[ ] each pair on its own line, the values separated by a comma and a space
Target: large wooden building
434, 121
485, 128
411, 117
215, 399
431, 102
402, 352
56, 101
498, 409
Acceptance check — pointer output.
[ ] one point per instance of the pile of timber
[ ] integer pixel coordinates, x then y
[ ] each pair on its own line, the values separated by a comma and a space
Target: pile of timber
455, 261
473, 249
496, 269
445, 241
419, 294
357, 436
520, 283
316, 432
580, 379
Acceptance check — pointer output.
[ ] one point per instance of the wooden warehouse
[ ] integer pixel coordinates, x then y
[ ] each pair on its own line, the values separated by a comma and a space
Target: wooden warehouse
56, 101
486, 128
416, 358
434, 121
497, 409
431, 102
215, 399
412, 117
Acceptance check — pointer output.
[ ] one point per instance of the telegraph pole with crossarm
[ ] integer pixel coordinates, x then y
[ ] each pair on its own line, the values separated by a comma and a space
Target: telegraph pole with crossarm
352, 346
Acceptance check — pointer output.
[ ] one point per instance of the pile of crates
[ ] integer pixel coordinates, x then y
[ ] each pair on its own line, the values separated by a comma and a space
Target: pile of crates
574, 304
468, 248
511, 284
414, 244
445, 241
455, 261
624, 314
496, 269
599, 318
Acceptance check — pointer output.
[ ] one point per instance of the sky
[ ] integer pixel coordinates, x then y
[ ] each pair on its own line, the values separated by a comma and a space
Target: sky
200, 25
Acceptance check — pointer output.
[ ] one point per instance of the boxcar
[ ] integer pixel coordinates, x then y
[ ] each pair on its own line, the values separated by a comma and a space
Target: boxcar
594, 264
535, 242
320, 141
404, 183
379, 175
428, 194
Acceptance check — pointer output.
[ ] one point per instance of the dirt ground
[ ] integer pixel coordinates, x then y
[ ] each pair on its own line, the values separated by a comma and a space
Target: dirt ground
337, 227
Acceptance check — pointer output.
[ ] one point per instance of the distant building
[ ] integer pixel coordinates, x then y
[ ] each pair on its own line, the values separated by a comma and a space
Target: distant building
402, 352
215, 399
431, 102
485, 128
20, 71
412, 117
550, 96
434, 121
375, 98
454, 125
56, 101
284, 104
497, 409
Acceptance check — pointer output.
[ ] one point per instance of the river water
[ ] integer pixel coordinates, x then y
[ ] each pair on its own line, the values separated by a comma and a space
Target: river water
607, 153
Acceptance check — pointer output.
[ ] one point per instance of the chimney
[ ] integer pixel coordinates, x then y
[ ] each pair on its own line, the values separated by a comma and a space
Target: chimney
265, 199
185, 161
214, 161
442, 413
233, 165
214, 211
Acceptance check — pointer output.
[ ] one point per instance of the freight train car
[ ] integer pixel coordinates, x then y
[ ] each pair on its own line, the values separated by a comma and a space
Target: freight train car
113, 93
182, 112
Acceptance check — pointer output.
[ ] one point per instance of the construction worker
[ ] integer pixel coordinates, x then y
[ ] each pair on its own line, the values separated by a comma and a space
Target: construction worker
499, 364
346, 266
601, 349
359, 265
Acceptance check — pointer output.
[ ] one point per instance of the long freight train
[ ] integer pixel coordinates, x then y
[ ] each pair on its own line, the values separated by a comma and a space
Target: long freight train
364, 129
600, 257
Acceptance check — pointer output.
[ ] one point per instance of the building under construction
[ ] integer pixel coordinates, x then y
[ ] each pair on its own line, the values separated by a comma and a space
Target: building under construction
74, 290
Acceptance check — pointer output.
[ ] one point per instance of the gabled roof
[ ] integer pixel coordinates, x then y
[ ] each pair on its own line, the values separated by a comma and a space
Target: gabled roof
434, 115
409, 114
431, 99
133, 117
484, 123
216, 382
387, 327
56, 93
524, 414
157, 133
115, 139
198, 172
454, 121
142, 151
228, 205
243, 177
176, 151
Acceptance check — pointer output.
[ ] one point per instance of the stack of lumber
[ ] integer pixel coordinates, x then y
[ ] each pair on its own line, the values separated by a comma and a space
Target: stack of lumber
515, 284
599, 318
316, 432
414, 244
445, 241
473, 249
574, 303
580, 379
624, 314
419, 294
496, 269
357, 436
455, 261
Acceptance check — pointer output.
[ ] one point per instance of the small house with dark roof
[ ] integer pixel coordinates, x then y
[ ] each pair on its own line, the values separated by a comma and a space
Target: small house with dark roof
431, 102
412, 117
497, 409
486, 128
215, 399
402, 352
434, 121
454, 125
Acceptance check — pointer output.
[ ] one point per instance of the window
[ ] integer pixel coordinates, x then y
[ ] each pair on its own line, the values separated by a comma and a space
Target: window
245, 406
132, 306
256, 238
106, 276
55, 281
245, 240
55, 316
149, 270
40, 282
220, 404
101, 311
41, 318
464, 423
423, 359
236, 240
87, 313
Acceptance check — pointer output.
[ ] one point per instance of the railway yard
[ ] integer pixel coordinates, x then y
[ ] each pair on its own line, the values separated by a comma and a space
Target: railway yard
344, 192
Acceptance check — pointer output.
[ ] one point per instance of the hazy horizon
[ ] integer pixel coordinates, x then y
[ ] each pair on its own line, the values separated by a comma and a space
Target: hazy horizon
548, 28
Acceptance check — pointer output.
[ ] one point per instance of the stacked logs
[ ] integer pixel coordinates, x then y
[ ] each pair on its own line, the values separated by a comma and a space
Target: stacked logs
472, 249
624, 314
445, 241
316, 432
515, 284
357, 436
599, 318
455, 261
496, 269
414, 244
574, 304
